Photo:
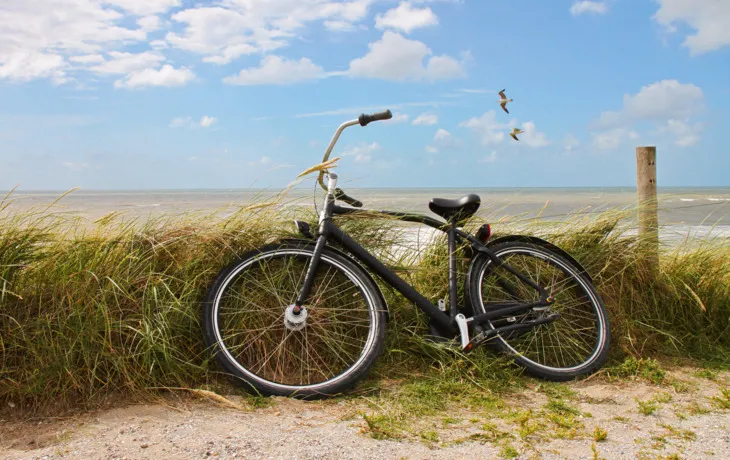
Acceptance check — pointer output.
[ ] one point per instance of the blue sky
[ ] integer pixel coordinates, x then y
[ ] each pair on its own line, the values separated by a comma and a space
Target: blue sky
129, 94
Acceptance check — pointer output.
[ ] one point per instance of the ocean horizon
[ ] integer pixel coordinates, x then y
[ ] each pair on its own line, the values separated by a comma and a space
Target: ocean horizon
705, 210
623, 188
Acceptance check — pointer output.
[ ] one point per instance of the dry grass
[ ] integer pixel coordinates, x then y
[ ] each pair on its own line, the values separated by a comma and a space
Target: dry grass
89, 309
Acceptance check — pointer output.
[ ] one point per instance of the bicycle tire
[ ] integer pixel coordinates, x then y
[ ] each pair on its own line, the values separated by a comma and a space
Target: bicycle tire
342, 381
508, 342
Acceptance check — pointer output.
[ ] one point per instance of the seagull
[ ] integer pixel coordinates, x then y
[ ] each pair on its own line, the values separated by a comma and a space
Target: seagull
515, 132
503, 101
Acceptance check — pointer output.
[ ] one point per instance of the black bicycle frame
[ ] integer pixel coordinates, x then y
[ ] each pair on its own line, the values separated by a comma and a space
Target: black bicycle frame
328, 230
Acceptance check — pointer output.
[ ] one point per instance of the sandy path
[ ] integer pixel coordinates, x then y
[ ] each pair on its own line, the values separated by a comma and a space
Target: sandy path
691, 425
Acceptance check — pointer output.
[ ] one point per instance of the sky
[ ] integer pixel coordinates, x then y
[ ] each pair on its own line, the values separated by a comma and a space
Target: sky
188, 94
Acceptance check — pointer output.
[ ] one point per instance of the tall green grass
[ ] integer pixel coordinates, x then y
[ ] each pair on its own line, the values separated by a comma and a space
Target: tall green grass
93, 308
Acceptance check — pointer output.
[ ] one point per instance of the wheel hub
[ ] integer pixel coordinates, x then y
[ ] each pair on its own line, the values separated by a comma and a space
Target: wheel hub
295, 321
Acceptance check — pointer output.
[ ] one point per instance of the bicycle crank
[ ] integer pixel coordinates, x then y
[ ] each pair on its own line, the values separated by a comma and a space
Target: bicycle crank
468, 345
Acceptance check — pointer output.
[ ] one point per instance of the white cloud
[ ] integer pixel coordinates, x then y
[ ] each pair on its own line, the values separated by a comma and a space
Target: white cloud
668, 104
339, 26
443, 140
187, 122
233, 28
158, 45
614, 138
684, 133
441, 135
397, 118
710, 20
144, 7
35, 41
39, 38
87, 59
491, 158
218, 33
149, 23
29, 65
587, 6
207, 121
362, 153
492, 132
165, 76
532, 137
426, 119
657, 101
275, 70
406, 18
487, 128
126, 63
397, 58
179, 122
112, 37
445, 67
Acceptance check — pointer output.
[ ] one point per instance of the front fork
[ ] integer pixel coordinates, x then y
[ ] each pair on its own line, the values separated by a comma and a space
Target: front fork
324, 216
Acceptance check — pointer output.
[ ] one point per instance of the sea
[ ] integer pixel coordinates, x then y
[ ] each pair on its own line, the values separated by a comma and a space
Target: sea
685, 213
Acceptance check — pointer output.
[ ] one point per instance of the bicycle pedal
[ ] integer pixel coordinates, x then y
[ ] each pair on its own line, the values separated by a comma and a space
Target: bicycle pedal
473, 343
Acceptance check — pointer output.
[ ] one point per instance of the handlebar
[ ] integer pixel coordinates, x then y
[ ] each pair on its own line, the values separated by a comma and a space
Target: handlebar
341, 195
362, 120
365, 119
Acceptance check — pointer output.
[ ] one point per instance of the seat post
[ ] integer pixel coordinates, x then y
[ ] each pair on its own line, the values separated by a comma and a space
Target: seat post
451, 233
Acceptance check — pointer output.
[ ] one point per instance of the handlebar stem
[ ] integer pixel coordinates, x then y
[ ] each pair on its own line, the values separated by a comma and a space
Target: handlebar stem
332, 145
331, 182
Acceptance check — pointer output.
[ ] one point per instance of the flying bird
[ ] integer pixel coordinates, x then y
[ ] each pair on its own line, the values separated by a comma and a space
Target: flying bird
515, 132
503, 101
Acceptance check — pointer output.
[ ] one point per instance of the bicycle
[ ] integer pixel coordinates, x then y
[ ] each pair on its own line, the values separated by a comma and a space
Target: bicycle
311, 320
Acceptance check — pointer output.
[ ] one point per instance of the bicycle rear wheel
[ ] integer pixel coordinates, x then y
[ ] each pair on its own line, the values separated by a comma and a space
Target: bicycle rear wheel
575, 344
248, 321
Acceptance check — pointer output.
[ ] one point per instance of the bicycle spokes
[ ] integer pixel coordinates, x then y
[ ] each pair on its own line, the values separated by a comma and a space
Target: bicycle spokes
564, 343
263, 334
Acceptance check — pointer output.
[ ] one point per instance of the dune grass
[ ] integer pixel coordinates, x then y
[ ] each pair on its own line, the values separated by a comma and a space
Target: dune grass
112, 307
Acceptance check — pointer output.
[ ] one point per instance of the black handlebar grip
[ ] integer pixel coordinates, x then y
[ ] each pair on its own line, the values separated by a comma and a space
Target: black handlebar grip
341, 195
365, 119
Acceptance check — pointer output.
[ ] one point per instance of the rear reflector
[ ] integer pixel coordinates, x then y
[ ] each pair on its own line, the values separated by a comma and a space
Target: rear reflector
484, 232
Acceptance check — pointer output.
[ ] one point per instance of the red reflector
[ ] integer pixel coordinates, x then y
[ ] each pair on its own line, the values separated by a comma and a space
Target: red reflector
484, 232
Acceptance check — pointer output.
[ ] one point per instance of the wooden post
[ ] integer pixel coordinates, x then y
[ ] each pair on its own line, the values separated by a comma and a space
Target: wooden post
647, 195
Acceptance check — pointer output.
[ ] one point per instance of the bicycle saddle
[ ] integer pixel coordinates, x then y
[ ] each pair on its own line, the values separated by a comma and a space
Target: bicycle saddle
456, 209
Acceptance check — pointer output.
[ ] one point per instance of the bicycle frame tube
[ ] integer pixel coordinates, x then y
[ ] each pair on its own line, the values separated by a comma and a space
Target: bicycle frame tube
448, 228
389, 276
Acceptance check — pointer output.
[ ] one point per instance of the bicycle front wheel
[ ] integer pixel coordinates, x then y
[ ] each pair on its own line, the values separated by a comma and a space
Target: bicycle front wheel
249, 323
576, 344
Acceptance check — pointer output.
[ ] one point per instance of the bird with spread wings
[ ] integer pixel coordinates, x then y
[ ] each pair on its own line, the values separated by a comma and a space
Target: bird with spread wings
503, 101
